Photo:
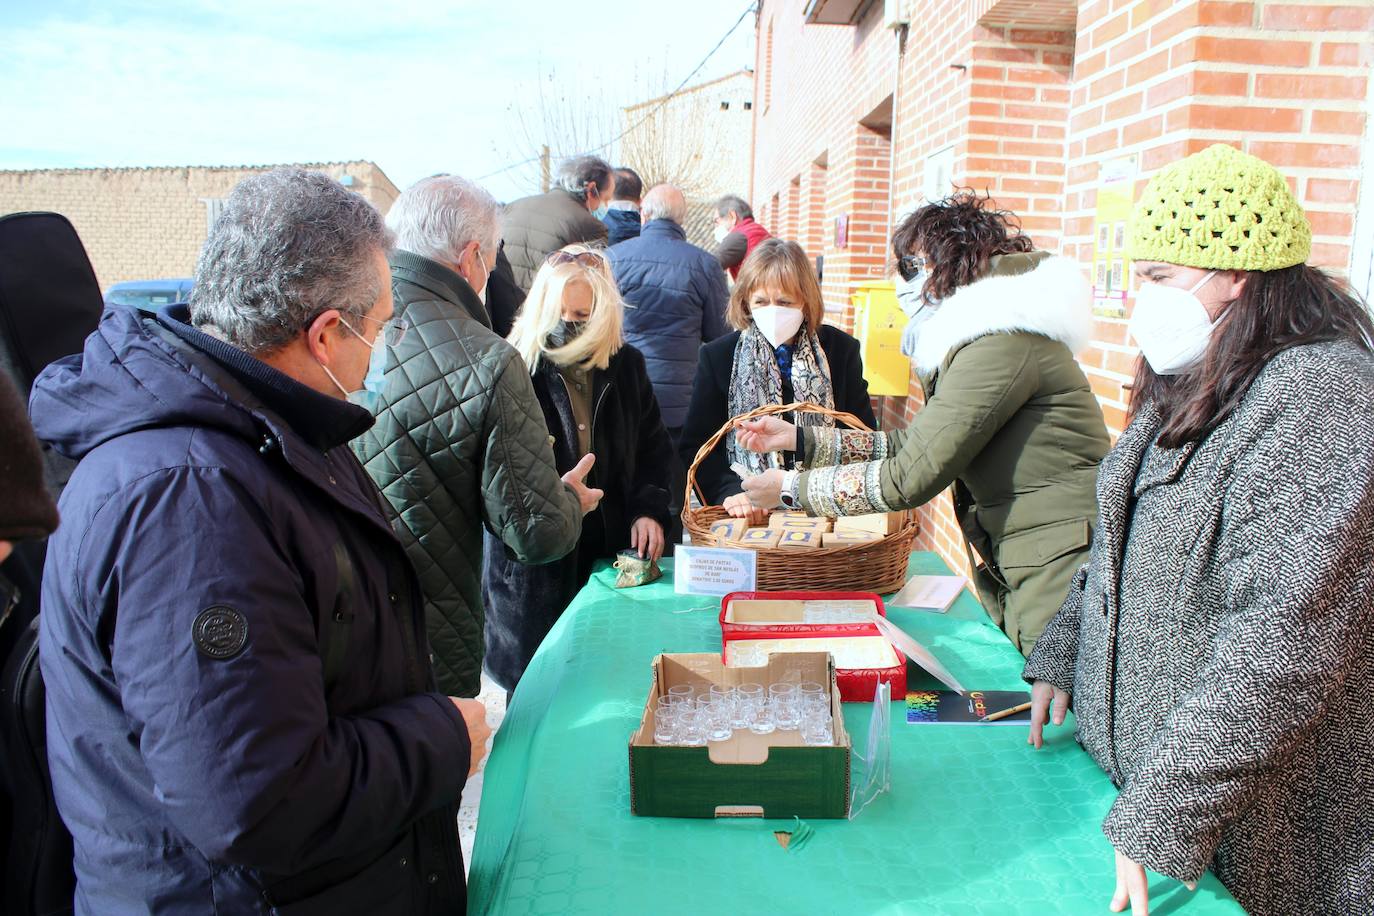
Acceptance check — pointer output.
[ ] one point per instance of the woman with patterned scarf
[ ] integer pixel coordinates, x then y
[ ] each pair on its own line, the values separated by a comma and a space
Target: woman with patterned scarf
780, 353
1009, 419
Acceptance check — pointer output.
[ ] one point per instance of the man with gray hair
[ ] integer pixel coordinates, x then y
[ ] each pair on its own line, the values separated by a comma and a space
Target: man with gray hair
460, 440
675, 299
736, 232
242, 713
568, 214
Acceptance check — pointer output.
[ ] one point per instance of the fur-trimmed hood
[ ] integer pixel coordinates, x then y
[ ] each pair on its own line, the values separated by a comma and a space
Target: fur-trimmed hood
1053, 299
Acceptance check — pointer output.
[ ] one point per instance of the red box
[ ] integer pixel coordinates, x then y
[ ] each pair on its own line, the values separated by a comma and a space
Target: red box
768, 616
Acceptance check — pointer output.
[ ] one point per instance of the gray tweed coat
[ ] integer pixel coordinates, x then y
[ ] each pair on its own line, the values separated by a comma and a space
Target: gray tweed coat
1218, 646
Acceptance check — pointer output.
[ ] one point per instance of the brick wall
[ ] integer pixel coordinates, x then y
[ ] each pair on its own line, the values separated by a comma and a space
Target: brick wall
140, 224
1028, 99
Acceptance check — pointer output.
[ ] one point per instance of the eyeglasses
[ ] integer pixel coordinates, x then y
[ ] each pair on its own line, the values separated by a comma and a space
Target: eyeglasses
909, 265
393, 329
585, 258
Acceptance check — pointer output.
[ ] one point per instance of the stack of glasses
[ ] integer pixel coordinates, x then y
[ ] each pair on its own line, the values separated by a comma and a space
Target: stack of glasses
831, 613
689, 717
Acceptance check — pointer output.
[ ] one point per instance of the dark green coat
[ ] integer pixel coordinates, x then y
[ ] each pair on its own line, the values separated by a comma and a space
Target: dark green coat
460, 443
532, 227
1009, 421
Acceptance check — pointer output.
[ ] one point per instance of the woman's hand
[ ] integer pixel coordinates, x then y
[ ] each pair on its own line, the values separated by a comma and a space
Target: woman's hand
739, 506
765, 490
1042, 694
1131, 887
766, 434
646, 537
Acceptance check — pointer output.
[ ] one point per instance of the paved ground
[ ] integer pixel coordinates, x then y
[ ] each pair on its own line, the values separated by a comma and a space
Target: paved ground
495, 699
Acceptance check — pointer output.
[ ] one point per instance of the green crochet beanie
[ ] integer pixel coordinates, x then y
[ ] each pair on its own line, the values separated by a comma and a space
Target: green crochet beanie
1220, 209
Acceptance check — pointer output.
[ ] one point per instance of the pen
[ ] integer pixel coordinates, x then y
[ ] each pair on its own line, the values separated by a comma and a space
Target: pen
993, 717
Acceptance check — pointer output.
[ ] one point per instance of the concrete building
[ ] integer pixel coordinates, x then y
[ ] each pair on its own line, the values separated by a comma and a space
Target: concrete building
1061, 110
150, 223
697, 139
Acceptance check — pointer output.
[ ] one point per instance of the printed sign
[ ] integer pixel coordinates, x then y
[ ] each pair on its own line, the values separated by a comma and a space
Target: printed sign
714, 570
1111, 269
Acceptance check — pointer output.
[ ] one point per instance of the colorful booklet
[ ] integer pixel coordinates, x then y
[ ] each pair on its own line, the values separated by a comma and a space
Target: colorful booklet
945, 707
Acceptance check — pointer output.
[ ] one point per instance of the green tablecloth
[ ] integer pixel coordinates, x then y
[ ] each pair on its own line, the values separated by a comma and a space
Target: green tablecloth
976, 821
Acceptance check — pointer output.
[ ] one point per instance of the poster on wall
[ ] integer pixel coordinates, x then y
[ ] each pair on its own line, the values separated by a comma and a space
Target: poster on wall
1111, 269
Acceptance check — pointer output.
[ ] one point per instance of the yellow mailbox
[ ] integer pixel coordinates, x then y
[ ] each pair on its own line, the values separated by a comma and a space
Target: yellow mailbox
878, 324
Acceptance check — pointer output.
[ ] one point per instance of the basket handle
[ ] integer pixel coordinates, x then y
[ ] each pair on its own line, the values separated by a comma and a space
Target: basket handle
767, 410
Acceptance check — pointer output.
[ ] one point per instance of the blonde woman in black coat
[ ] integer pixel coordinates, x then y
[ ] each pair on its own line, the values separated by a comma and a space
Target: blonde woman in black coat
597, 399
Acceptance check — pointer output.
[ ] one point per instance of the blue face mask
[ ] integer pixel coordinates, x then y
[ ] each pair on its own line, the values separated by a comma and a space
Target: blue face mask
601, 211
375, 379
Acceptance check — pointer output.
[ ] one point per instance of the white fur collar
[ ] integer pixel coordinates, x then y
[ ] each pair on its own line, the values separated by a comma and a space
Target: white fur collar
1054, 300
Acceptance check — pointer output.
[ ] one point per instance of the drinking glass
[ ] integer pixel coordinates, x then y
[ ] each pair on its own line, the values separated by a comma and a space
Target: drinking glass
665, 721
692, 724
680, 692
817, 729
761, 718
717, 715
813, 695
783, 698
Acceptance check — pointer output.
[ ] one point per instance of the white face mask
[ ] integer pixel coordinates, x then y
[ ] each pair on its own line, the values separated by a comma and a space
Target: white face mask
720, 233
1171, 326
486, 276
777, 323
911, 294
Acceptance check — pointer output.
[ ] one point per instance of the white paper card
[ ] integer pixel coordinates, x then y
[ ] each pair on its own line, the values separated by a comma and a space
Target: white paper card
713, 570
935, 593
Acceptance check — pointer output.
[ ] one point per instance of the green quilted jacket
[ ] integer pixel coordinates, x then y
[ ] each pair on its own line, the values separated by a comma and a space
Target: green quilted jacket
460, 442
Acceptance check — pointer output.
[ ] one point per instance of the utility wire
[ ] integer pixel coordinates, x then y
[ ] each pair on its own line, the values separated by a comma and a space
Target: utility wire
653, 111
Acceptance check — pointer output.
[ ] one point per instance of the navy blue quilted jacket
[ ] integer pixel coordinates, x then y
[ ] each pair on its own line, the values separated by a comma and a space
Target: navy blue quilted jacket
211, 548
675, 300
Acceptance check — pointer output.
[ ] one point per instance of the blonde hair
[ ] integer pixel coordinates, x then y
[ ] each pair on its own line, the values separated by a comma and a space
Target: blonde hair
543, 309
783, 266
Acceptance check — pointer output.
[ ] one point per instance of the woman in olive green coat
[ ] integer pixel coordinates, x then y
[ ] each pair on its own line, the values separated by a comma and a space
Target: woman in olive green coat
1009, 419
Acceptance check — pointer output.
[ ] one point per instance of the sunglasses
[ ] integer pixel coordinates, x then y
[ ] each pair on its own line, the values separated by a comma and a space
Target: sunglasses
910, 265
585, 258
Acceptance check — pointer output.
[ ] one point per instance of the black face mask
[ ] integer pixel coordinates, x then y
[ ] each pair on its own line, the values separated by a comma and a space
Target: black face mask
565, 332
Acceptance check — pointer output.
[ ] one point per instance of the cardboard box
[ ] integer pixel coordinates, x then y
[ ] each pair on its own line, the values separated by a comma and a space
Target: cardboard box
844, 538
800, 524
883, 523
730, 529
800, 538
782, 616
760, 537
778, 515
748, 775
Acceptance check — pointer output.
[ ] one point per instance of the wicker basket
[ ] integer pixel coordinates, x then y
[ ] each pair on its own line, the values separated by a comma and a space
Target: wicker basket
876, 566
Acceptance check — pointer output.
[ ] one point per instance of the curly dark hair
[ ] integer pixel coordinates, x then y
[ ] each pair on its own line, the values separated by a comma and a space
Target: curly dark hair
959, 236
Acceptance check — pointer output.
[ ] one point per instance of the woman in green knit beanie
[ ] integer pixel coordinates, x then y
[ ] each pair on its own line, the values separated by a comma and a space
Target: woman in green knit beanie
1216, 647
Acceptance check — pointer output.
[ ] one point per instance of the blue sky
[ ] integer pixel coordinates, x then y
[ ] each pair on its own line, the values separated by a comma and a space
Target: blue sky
418, 88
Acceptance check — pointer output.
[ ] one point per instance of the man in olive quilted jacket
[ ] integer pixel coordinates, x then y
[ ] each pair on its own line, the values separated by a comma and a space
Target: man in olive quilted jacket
460, 441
